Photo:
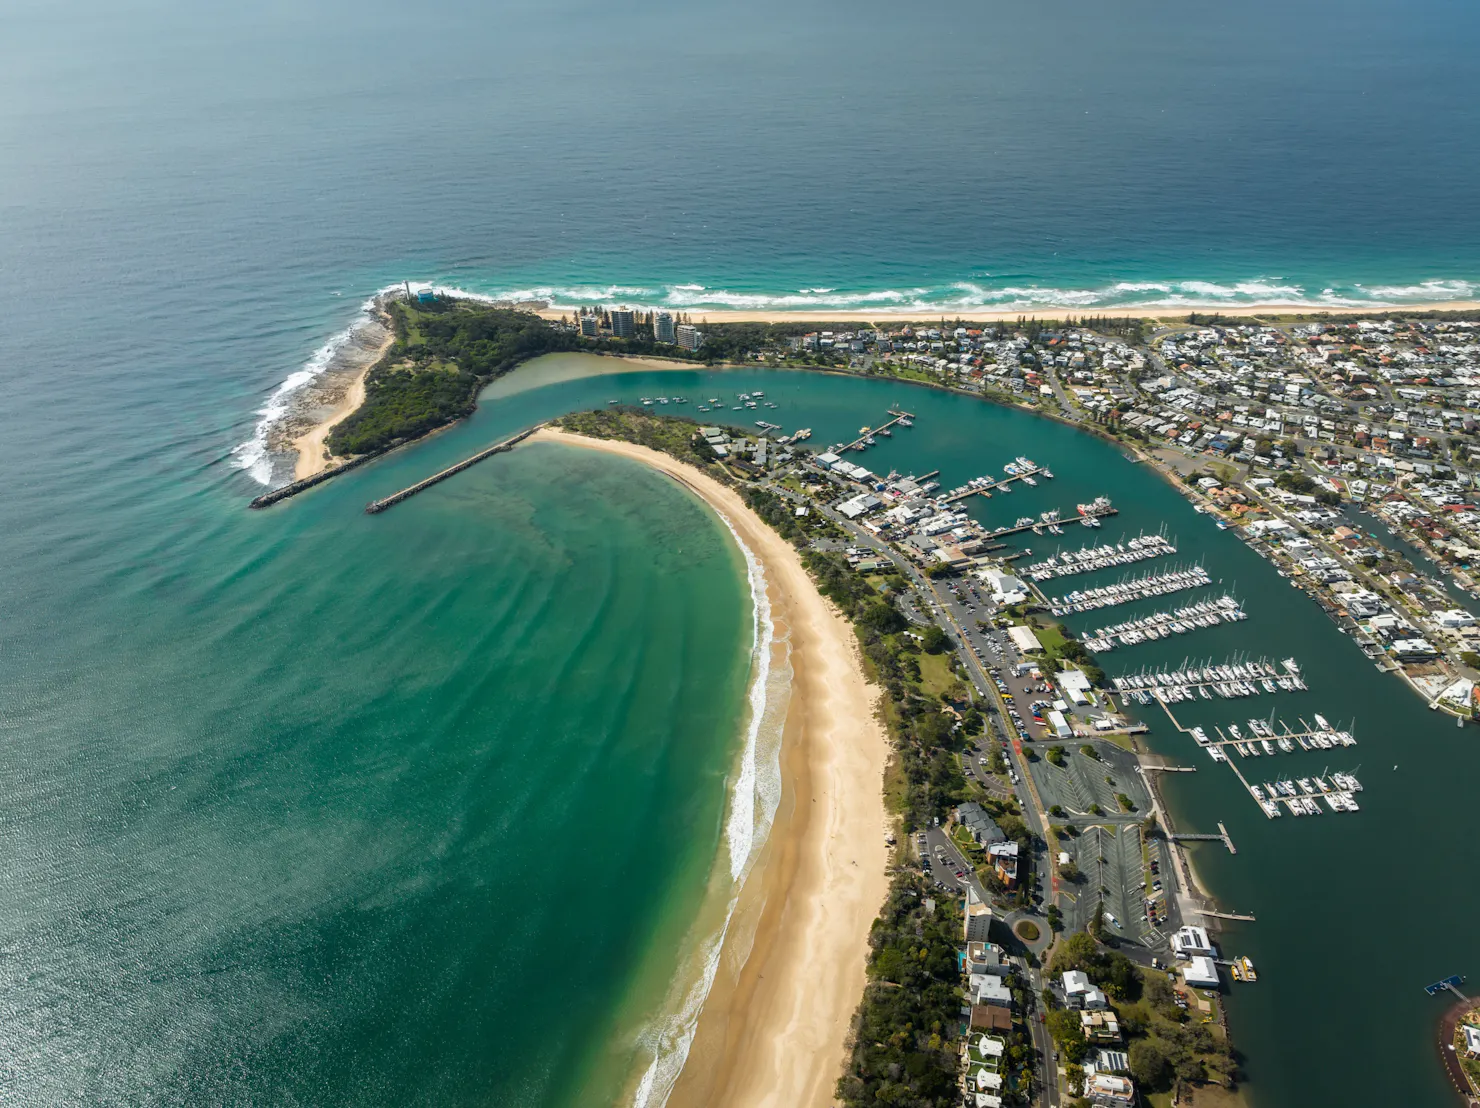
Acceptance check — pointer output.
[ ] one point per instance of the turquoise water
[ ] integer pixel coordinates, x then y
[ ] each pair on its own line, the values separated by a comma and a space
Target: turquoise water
308, 807
313, 807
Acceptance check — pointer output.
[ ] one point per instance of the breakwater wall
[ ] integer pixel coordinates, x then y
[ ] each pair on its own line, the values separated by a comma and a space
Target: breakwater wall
377, 506
268, 499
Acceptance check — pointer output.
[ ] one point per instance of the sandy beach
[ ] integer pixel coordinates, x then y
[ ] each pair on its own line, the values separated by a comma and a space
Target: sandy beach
897, 317
773, 1033
313, 454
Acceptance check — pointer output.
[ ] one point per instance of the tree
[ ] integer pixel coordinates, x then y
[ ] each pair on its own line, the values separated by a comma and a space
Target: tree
1097, 922
934, 640
1149, 1063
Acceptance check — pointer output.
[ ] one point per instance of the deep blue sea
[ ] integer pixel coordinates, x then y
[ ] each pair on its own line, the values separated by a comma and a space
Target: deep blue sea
298, 807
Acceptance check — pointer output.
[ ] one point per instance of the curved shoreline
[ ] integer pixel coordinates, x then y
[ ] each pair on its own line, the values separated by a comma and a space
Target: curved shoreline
774, 1029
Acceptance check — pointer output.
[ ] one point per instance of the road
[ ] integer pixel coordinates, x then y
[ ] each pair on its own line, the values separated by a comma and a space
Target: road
984, 657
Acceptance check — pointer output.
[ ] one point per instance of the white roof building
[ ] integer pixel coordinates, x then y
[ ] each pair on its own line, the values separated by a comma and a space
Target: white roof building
1076, 983
1023, 638
1006, 589
1201, 973
1188, 942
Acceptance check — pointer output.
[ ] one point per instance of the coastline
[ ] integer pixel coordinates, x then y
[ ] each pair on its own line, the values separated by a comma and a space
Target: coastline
774, 1028
313, 453
1045, 312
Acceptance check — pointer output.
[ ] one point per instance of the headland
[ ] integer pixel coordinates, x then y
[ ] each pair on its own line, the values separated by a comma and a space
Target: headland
774, 1033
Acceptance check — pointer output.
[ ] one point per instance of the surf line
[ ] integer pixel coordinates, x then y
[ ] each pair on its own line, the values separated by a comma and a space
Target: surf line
754, 800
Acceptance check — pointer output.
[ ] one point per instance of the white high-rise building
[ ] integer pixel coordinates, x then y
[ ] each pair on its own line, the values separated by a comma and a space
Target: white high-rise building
689, 338
978, 918
663, 327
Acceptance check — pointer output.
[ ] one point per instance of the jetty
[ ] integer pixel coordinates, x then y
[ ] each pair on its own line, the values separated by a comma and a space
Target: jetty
1091, 559
1129, 591
862, 441
375, 507
1089, 515
1222, 836
268, 499
1160, 625
1023, 469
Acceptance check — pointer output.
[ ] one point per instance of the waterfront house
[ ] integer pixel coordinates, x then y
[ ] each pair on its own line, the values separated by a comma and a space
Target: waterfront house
1107, 1088
1100, 1027
1472, 1040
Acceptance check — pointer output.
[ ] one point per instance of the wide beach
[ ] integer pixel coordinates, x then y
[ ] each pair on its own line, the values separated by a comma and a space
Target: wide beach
774, 1029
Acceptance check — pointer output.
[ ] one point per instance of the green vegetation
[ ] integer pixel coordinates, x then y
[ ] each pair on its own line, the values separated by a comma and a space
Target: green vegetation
1124, 802
903, 1051
1089, 752
444, 352
1168, 1045
1056, 756
1028, 931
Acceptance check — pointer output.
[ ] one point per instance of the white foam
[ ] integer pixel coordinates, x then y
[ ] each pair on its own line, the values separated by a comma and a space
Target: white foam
252, 455
754, 798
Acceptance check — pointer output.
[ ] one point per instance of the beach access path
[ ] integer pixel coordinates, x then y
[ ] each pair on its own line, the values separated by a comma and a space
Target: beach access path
773, 1033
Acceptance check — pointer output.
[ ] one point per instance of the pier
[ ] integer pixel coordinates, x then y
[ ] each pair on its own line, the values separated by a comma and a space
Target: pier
375, 507
860, 442
1222, 836
986, 489
1246, 917
1036, 524
1337, 794
1126, 592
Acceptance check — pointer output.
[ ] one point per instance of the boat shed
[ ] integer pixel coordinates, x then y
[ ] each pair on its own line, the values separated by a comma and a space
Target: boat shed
1023, 638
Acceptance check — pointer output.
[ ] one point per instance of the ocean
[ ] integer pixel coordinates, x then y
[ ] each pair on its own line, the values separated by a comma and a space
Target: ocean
309, 807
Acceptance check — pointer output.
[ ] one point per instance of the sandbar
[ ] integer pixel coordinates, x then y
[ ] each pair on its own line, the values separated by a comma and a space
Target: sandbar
773, 1033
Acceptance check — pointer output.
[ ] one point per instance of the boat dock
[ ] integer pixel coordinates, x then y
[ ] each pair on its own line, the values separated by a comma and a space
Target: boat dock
861, 442
1037, 524
1091, 559
1160, 625
1222, 836
1127, 592
1283, 796
375, 507
986, 486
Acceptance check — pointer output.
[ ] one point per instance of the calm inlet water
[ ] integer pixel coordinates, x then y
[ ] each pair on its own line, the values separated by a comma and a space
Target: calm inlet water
305, 807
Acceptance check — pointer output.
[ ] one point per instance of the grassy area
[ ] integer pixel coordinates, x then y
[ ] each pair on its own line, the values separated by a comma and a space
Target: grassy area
1051, 637
936, 675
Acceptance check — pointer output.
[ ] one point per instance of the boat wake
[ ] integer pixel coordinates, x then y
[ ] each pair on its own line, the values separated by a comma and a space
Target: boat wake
754, 799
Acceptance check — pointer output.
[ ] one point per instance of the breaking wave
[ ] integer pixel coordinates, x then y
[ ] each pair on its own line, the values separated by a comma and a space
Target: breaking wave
754, 798
985, 295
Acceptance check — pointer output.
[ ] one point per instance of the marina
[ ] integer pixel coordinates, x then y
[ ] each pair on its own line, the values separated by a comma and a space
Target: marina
1129, 591
1229, 680
866, 435
1090, 559
1160, 625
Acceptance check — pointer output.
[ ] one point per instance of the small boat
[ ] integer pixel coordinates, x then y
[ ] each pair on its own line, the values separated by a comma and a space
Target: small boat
1248, 969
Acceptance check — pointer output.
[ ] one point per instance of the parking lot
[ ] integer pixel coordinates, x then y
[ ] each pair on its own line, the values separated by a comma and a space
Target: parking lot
1111, 862
1084, 781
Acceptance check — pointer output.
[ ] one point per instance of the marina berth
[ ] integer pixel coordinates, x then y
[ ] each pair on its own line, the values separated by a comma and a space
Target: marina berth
1160, 625
1092, 558
1129, 591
